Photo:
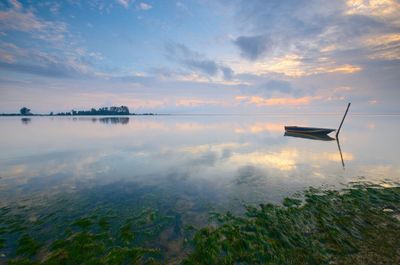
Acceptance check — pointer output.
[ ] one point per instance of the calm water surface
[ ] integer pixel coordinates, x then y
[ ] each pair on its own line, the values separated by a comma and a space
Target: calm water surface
185, 165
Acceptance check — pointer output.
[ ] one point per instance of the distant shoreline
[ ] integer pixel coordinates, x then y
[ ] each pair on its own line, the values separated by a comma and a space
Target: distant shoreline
197, 114
78, 115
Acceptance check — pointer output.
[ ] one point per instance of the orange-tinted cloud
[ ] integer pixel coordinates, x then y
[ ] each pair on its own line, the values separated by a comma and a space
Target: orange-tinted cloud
294, 66
376, 8
260, 101
193, 102
383, 46
344, 69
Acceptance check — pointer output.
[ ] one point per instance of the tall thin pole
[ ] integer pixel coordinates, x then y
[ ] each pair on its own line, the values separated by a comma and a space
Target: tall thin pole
338, 131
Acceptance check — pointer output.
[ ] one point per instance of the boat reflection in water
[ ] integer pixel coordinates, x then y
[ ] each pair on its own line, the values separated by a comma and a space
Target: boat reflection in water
318, 137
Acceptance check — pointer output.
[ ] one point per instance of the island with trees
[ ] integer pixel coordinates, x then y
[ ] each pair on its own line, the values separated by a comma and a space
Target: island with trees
122, 110
104, 111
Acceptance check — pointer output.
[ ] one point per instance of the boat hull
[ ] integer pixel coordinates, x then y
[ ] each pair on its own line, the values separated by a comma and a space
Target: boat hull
308, 130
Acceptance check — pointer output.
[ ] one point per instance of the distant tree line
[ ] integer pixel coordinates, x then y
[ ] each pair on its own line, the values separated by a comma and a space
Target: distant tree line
123, 110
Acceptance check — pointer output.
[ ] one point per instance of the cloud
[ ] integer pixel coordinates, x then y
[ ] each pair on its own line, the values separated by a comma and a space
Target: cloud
306, 38
252, 47
144, 6
208, 67
373, 102
279, 54
6, 57
381, 9
382, 46
71, 64
67, 62
283, 101
227, 72
196, 102
197, 62
277, 85
48, 70
294, 65
17, 5
17, 19
270, 88
124, 3
48, 49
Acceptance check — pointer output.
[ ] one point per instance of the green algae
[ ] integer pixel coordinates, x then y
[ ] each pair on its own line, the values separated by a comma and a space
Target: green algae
104, 223
83, 223
85, 247
89, 248
22, 261
126, 233
2, 243
352, 226
330, 227
90, 221
27, 246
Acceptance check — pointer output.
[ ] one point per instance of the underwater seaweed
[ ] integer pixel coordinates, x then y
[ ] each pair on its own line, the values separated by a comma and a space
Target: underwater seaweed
330, 227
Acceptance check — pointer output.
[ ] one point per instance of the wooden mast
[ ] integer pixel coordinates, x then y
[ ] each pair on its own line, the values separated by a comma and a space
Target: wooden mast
338, 131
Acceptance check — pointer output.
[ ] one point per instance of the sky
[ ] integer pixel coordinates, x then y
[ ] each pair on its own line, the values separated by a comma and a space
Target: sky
201, 56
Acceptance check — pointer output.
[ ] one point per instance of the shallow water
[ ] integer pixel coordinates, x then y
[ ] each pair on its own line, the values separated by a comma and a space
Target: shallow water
181, 166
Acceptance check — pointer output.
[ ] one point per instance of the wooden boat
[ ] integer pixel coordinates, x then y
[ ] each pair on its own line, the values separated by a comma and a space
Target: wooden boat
315, 131
308, 130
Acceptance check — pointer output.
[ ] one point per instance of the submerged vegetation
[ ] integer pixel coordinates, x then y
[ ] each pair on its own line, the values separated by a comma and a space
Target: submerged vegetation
89, 240
358, 225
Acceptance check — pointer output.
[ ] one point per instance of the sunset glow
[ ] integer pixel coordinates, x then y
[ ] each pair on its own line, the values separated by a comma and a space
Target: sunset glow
199, 56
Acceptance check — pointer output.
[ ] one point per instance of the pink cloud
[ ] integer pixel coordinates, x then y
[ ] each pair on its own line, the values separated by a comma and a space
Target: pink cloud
260, 101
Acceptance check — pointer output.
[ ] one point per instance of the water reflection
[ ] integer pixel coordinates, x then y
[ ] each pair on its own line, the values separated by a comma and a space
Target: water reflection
114, 120
105, 120
25, 120
59, 169
340, 151
318, 137
229, 159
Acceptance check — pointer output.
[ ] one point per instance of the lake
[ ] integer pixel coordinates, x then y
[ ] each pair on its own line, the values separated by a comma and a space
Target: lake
180, 166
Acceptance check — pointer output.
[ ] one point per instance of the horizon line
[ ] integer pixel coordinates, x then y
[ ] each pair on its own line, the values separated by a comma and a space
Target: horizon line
210, 114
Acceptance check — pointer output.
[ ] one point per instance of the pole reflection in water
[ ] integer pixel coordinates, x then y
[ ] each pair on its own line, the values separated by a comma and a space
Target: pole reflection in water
318, 137
340, 151
25, 120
